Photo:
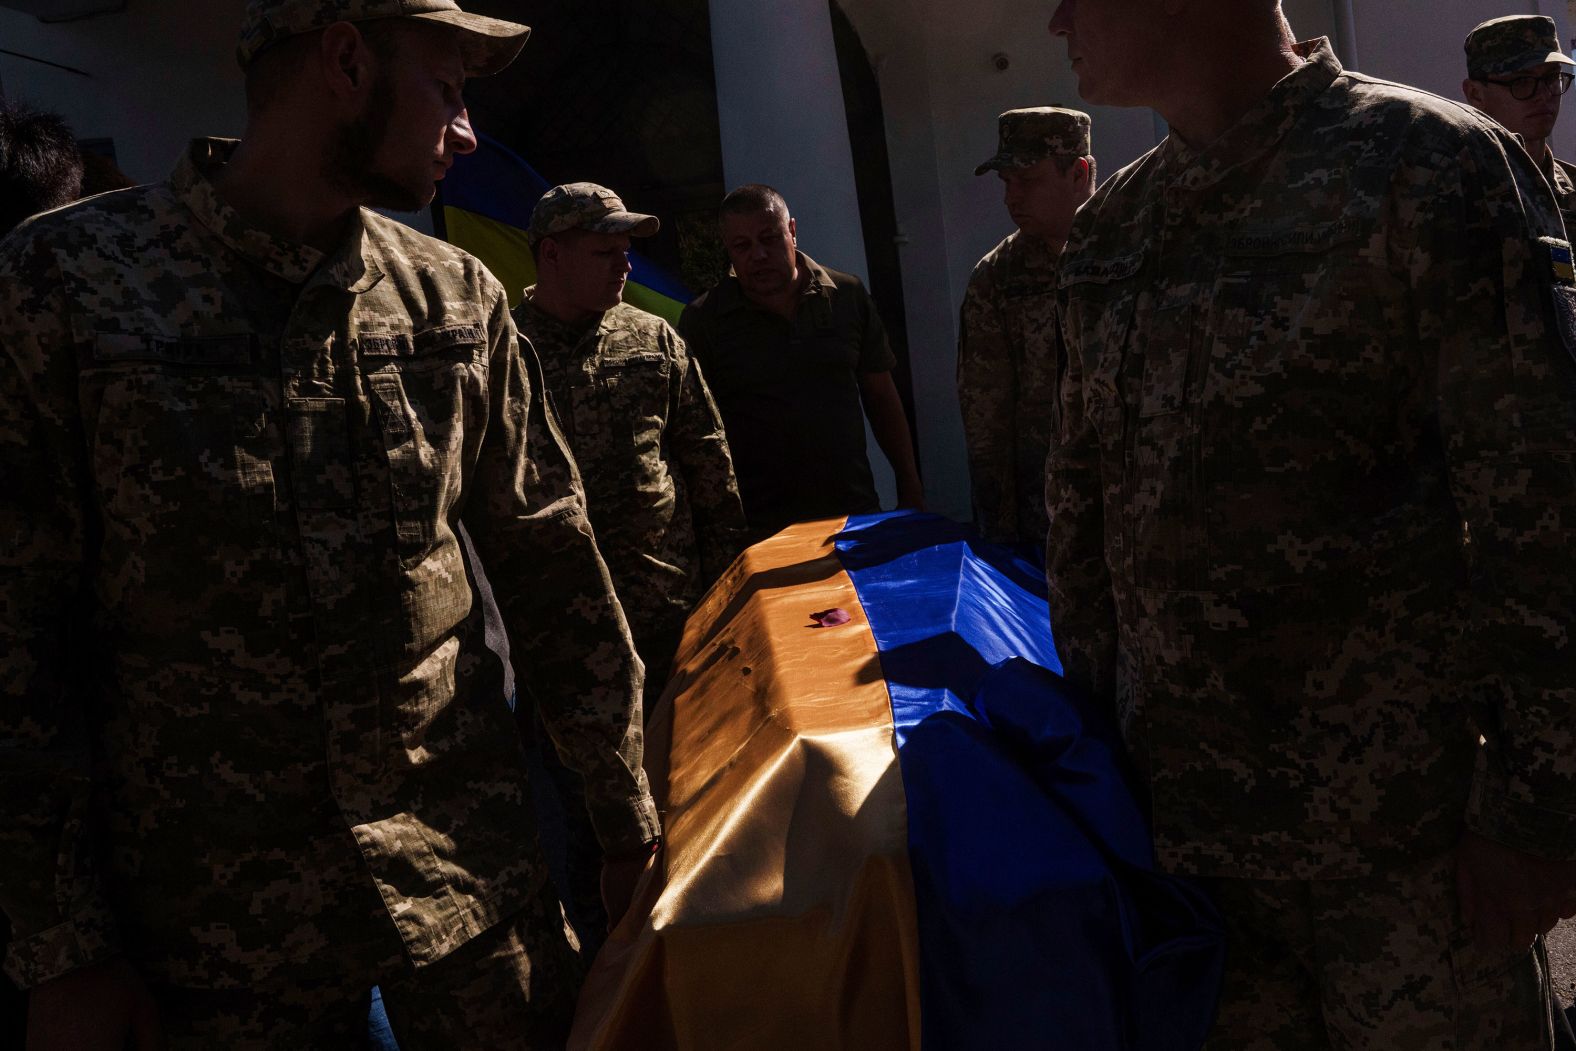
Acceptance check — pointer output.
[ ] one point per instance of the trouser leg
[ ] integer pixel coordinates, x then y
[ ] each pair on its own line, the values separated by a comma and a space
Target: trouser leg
1380, 963
569, 822
1401, 971
1269, 998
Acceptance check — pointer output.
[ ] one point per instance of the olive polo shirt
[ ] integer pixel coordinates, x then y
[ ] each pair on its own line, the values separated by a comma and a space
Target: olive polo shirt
789, 394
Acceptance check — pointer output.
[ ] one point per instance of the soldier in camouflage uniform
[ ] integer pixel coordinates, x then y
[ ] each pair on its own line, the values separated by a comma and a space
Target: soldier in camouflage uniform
254, 752
1301, 349
641, 424
638, 418
1008, 349
1517, 74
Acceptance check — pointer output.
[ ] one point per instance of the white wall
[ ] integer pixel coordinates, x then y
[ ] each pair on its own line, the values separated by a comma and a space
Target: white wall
162, 73
1418, 42
942, 92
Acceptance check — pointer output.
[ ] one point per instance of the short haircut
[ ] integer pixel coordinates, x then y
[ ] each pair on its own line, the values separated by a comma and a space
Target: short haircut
752, 199
275, 67
562, 237
40, 163
1064, 165
101, 175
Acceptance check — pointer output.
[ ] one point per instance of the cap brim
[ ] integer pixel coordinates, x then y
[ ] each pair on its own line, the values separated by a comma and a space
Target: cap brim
1006, 162
995, 164
489, 44
1526, 61
632, 223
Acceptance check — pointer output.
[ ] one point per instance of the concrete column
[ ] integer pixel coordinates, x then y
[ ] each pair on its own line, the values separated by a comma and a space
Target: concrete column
784, 123
1346, 34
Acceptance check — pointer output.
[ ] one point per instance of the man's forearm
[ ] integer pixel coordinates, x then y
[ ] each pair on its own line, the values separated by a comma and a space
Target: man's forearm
889, 423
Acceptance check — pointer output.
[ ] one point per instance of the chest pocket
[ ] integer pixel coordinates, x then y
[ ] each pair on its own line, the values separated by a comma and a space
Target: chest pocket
182, 441
1038, 364
622, 408
426, 388
1101, 296
1288, 299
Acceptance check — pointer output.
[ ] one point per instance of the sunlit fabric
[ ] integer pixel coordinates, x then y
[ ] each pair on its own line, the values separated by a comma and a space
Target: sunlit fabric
487, 198
1042, 921
900, 831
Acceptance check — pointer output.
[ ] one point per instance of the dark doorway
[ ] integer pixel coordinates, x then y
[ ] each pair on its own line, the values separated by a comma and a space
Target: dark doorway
877, 211
622, 93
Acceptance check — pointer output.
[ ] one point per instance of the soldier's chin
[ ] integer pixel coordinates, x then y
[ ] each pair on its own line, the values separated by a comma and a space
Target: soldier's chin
392, 195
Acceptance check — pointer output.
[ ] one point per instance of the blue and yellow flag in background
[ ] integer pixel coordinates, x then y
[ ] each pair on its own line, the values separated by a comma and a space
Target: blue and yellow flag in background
487, 199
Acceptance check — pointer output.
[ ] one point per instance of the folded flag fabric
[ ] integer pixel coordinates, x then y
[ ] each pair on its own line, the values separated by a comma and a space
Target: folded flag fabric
897, 828
486, 201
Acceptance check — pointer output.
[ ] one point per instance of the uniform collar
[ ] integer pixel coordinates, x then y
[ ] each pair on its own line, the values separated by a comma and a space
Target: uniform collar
553, 328
1259, 131
1557, 176
819, 282
1031, 253
352, 267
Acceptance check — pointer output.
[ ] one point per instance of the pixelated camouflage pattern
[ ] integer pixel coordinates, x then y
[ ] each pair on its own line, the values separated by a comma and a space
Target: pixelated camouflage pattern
587, 206
1008, 364
490, 44
513, 985
1028, 136
1502, 46
244, 668
660, 488
1296, 361
1381, 961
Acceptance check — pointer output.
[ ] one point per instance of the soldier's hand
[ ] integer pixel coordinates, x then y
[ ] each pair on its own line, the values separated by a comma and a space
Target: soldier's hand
911, 497
1508, 897
620, 877
105, 1007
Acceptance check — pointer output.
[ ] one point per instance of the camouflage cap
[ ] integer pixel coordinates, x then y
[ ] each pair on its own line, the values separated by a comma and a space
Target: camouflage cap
1512, 44
490, 44
587, 206
1031, 135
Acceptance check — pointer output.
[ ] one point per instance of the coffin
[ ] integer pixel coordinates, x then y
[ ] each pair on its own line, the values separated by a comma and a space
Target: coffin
899, 831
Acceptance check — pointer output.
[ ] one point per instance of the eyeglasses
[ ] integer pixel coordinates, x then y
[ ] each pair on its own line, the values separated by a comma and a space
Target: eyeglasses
1523, 88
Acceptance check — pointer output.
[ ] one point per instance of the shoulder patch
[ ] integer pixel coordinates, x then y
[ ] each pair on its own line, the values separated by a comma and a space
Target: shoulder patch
1561, 262
1562, 271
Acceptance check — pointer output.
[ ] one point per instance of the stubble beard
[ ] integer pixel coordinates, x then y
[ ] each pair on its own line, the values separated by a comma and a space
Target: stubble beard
348, 166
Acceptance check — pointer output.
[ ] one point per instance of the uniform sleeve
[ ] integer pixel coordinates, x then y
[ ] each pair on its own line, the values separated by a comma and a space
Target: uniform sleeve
59, 916
986, 381
700, 450
1497, 302
1083, 612
567, 634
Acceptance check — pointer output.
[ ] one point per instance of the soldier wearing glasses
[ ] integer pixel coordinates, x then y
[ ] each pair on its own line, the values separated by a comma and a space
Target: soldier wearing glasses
1516, 74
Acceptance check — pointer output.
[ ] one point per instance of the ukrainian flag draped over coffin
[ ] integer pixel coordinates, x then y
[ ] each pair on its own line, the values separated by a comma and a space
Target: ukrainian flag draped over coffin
487, 199
901, 831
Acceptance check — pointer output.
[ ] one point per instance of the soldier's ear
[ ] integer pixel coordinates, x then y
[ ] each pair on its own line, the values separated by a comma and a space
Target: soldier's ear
1472, 91
346, 59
